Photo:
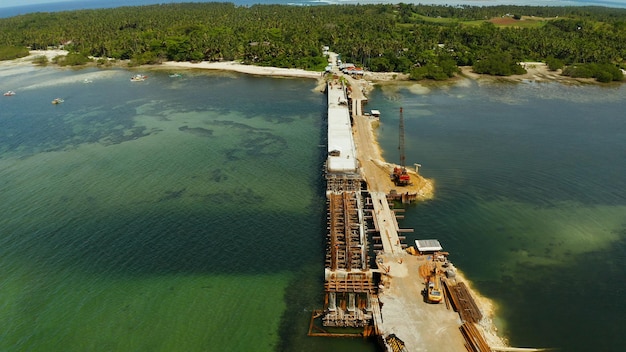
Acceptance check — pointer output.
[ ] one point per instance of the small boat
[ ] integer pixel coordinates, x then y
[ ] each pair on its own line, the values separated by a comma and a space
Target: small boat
138, 78
57, 101
9, 93
87, 80
175, 75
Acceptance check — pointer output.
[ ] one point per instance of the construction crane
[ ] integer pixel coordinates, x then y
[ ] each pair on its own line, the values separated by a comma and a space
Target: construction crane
400, 177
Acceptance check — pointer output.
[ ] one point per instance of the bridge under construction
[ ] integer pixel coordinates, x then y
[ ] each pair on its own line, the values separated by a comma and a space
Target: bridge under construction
374, 284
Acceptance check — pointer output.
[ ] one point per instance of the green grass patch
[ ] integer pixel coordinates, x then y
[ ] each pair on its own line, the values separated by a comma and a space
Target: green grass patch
440, 20
525, 22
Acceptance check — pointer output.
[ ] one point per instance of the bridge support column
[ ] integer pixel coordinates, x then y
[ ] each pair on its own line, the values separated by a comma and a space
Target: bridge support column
332, 301
351, 302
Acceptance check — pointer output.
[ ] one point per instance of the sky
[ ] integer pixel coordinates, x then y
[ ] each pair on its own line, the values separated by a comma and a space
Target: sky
610, 3
12, 3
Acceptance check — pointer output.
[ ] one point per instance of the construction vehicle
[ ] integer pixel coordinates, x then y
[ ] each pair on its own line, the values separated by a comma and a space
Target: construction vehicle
400, 176
434, 291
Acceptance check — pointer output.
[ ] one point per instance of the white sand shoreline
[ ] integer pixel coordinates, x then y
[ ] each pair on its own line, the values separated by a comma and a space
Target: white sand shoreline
234, 66
28, 60
536, 71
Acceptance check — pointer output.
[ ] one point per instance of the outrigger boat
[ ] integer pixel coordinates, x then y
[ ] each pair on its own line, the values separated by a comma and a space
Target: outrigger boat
9, 93
138, 78
57, 101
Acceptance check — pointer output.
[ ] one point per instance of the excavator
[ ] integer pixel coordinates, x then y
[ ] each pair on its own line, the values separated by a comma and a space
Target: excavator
434, 291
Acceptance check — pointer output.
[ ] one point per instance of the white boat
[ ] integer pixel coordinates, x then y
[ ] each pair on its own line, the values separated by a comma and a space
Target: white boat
138, 78
57, 101
9, 93
87, 80
175, 75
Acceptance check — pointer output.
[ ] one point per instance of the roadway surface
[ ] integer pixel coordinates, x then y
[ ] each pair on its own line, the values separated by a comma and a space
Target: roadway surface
421, 326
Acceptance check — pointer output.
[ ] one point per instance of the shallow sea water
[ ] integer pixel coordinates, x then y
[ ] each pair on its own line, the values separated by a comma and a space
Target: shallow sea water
530, 199
173, 214
187, 214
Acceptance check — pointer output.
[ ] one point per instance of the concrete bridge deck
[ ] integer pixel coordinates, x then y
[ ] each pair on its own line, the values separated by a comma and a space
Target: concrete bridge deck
385, 296
386, 223
404, 314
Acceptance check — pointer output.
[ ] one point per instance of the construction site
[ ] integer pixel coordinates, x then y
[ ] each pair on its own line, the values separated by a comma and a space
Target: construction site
408, 295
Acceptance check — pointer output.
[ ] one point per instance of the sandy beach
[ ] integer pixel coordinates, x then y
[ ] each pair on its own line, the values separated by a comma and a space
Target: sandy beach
536, 71
234, 66
231, 66
28, 60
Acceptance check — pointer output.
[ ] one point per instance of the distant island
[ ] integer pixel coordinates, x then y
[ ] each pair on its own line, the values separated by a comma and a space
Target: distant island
418, 41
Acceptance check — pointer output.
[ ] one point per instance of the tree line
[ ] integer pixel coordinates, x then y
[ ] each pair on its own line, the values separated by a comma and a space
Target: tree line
426, 41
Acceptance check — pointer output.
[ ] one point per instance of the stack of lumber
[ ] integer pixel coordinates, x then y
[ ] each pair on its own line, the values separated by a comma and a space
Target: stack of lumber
463, 302
474, 340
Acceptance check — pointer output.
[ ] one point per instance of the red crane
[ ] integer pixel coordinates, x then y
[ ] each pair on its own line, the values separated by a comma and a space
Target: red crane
400, 176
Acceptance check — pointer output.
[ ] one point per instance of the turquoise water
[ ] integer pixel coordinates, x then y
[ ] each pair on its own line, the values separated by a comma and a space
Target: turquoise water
187, 214
175, 214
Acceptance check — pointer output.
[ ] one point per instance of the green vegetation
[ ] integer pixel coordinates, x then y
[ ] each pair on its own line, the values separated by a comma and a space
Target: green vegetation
499, 64
601, 72
12, 52
40, 60
422, 40
71, 59
554, 64
444, 68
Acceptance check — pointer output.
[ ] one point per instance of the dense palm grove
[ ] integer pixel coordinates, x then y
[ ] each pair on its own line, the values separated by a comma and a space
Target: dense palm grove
426, 41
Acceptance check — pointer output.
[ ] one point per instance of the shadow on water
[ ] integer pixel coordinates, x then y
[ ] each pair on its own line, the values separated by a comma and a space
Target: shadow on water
220, 231
173, 242
554, 303
223, 232
305, 292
